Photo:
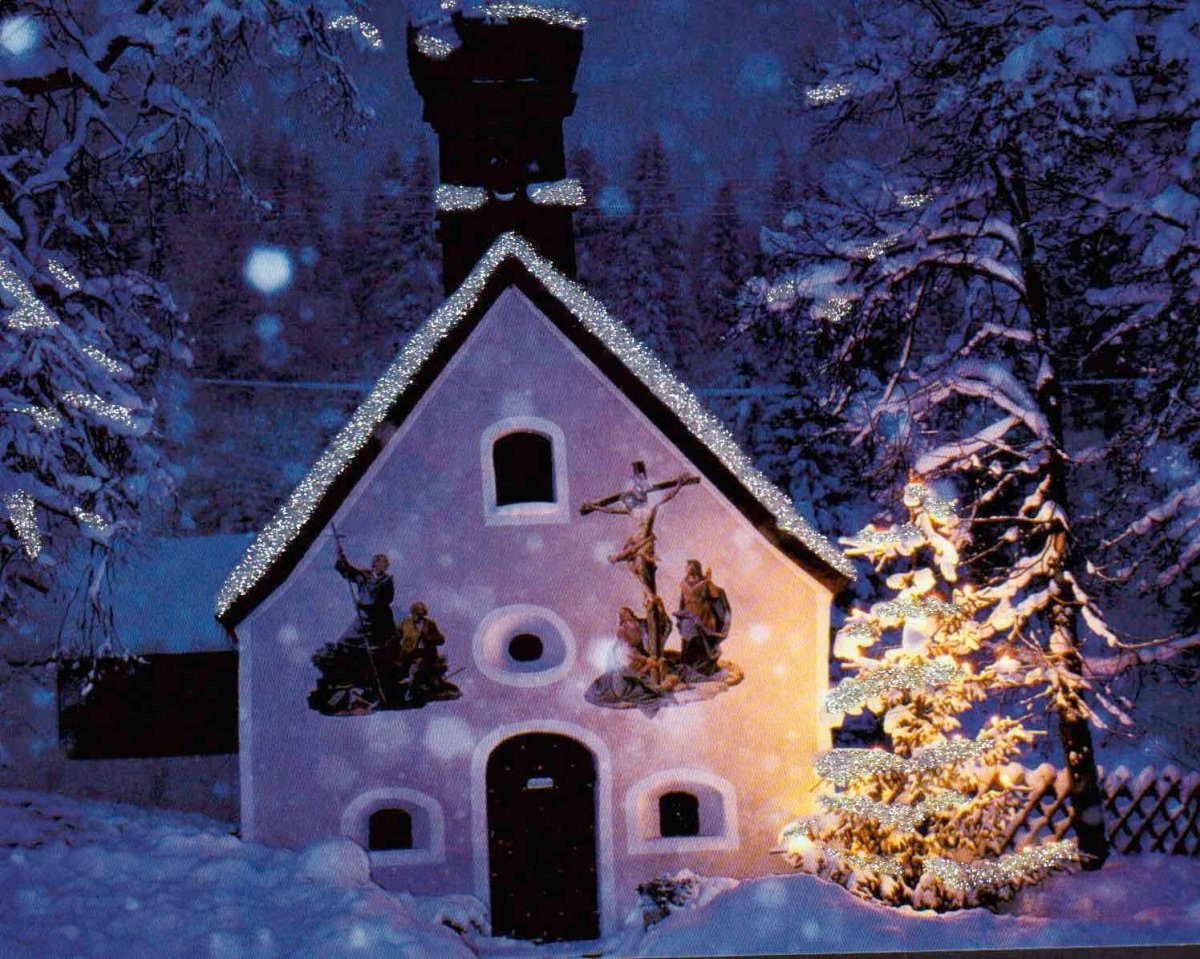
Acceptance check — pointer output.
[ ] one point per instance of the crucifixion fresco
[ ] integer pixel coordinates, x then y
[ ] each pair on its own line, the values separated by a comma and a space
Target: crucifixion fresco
643, 673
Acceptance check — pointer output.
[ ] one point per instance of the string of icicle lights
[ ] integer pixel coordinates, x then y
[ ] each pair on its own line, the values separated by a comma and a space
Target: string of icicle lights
1007, 869
860, 633
45, 417
102, 408
368, 30
826, 94
843, 766
66, 279
903, 535
655, 374
965, 876
936, 506
877, 248
30, 313
906, 816
908, 608
22, 512
97, 522
433, 47
455, 198
857, 690
104, 361
555, 16
567, 192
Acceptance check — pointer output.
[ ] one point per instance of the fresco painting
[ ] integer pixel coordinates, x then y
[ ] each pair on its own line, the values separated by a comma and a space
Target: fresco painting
379, 664
643, 672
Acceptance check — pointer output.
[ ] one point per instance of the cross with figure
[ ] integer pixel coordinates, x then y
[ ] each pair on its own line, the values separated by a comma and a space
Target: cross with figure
638, 549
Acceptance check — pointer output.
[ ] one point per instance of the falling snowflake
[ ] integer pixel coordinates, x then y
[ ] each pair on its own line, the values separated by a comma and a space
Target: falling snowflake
268, 269
18, 35
268, 326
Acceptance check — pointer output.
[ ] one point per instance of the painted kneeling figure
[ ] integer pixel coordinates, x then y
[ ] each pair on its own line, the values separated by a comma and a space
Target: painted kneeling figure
629, 679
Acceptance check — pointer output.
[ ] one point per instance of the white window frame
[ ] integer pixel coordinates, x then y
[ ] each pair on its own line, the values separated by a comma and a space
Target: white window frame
489, 645
525, 513
356, 824
718, 801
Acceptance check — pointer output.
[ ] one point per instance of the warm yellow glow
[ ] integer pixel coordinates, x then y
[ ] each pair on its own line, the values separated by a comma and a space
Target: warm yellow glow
799, 845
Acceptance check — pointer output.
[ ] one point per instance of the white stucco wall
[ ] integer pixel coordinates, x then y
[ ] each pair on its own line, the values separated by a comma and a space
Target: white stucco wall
423, 502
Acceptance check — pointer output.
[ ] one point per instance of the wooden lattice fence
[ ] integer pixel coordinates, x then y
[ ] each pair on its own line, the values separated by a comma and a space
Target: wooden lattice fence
1151, 812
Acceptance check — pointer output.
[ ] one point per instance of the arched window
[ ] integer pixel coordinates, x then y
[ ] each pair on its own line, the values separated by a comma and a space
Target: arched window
681, 810
524, 468
390, 829
678, 814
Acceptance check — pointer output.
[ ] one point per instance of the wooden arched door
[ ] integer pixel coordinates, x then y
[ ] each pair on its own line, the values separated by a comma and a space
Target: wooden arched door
541, 813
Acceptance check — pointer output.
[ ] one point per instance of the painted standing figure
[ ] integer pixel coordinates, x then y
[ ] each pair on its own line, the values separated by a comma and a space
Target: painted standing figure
374, 591
703, 617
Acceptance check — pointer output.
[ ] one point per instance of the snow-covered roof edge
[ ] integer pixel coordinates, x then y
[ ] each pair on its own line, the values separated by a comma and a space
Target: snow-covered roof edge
287, 523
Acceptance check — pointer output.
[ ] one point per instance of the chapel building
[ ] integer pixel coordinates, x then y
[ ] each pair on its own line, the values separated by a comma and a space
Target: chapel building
533, 628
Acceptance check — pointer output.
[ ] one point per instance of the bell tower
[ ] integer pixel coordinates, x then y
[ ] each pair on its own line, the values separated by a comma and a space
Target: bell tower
496, 91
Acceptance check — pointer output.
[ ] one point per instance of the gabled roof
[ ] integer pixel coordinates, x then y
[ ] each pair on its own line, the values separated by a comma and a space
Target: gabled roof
648, 382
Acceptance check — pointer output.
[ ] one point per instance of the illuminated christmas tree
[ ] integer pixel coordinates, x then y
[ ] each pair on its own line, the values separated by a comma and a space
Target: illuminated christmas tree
921, 823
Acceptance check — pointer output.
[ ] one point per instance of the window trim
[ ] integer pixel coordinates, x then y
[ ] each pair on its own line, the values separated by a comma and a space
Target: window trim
489, 645
356, 825
525, 513
642, 815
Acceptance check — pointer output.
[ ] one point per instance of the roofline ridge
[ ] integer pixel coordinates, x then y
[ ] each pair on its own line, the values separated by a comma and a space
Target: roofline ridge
271, 542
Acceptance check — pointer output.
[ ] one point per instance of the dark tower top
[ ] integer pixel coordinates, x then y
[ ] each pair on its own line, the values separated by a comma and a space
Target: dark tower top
497, 99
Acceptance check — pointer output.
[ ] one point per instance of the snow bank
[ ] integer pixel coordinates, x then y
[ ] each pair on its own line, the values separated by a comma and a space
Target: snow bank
1126, 903
81, 879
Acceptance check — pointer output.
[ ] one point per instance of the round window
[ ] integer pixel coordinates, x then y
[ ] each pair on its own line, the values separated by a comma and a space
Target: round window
525, 648
523, 645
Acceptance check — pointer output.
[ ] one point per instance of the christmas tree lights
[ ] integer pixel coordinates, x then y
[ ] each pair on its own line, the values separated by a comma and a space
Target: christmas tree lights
920, 823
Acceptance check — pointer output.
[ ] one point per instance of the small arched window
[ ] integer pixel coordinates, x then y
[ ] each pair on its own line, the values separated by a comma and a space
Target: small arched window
678, 814
390, 829
523, 463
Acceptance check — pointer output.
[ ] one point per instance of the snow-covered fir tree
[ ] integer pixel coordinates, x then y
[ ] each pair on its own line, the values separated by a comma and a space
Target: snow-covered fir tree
106, 112
394, 258
921, 823
598, 243
944, 303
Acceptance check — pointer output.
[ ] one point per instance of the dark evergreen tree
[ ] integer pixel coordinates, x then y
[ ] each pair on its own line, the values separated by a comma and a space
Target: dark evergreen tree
394, 259
651, 296
597, 234
719, 266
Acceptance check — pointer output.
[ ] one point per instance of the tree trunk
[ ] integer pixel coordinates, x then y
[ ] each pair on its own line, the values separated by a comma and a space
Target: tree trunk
1075, 734
1074, 729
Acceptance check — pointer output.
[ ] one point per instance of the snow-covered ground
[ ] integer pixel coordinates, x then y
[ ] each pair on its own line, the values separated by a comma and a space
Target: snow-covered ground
80, 879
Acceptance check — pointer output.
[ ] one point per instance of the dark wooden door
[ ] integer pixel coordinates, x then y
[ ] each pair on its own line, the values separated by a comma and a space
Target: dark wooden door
541, 811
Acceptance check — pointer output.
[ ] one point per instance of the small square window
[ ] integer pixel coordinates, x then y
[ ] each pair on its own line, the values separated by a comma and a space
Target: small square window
678, 814
390, 829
